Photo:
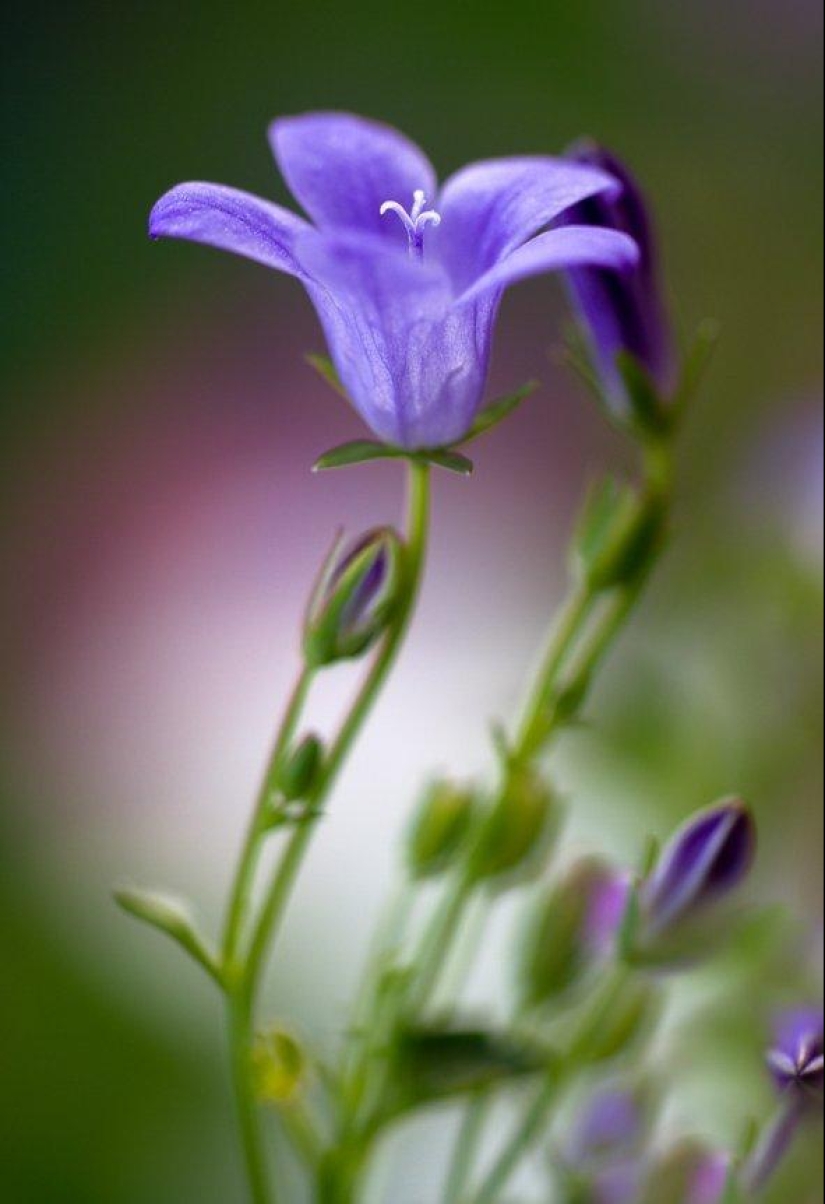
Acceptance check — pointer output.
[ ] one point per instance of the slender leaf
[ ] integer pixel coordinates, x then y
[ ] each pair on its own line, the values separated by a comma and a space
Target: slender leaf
359, 451
452, 460
325, 368
170, 915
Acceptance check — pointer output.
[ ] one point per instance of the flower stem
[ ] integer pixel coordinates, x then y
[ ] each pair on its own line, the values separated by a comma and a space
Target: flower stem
522, 1139
469, 1136
244, 960
286, 874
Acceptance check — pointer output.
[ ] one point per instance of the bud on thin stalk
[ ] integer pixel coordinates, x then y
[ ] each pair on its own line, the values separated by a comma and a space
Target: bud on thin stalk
353, 602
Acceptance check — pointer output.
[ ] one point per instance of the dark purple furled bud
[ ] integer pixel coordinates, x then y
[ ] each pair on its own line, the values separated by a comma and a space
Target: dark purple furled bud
705, 860
353, 600
795, 1057
622, 311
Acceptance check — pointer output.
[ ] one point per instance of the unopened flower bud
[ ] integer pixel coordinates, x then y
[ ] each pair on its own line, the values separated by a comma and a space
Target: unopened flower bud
631, 1015
795, 1058
353, 601
690, 1174
439, 829
518, 830
623, 311
300, 768
279, 1067
705, 861
602, 1161
574, 928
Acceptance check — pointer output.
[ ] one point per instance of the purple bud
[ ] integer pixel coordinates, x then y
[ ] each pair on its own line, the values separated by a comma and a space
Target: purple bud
795, 1058
623, 311
705, 860
708, 1179
353, 599
689, 1173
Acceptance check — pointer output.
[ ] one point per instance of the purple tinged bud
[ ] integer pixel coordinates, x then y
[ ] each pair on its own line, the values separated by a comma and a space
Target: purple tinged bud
623, 311
611, 1125
709, 1179
689, 1173
707, 858
353, 600
795, 1058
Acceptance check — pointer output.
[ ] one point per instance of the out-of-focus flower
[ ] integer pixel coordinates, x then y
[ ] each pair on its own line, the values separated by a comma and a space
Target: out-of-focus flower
574, 928
795, 1062
518, 832
621, 311
795, 1058
707, 858
353, 600
406, 278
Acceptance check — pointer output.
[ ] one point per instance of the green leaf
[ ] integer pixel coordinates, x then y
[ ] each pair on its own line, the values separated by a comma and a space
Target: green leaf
171, 916
498, 410
359, 451
325, 368
438, 1062
451, 460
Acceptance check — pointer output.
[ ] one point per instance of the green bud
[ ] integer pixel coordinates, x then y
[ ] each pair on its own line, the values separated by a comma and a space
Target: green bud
631, 1014
279, 1067
573, 928
439, 829
619, 534
300, 769
353, 601
518, 831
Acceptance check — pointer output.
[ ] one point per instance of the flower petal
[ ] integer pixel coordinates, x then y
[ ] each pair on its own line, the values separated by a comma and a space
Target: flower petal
341, 168
231, 220
413, 365
488, 209
566, 247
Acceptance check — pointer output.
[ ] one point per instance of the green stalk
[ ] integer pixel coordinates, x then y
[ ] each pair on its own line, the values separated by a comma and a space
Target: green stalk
243, 969
466, 1147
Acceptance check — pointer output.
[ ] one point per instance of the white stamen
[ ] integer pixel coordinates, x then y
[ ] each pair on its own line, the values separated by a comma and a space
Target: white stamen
415, 221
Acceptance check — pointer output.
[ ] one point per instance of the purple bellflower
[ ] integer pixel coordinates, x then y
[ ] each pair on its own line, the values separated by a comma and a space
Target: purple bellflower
406, 277
706, 859
621, 311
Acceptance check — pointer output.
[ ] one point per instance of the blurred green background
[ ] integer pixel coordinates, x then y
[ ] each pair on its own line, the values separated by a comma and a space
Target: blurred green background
162, 528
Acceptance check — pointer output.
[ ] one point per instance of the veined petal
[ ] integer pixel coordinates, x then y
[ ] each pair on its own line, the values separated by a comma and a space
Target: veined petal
490, 208
342, 168
566, 247
413, 364
231, 220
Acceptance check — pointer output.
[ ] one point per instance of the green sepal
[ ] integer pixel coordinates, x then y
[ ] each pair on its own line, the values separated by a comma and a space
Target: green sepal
696, 363
299, 770
494, 413
437, 1062
361, 451
325, 368
171, 916
445, 457
358, 451
649, 414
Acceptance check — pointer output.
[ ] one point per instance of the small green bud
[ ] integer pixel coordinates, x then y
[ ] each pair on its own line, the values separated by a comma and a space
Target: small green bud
300, 769
630, 1016
518, 830
353, 601
439, 829
573, 929
619, 534
279, 1067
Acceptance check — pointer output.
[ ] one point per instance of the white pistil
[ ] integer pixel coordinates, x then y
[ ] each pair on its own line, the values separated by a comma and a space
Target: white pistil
415, 221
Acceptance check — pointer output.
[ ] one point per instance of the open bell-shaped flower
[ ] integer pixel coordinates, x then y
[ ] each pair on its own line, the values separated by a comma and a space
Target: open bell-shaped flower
795, 1058
405, 276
